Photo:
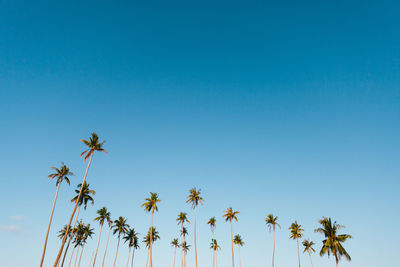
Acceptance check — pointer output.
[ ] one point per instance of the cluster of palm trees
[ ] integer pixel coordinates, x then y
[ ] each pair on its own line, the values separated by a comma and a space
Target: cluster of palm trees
78, 233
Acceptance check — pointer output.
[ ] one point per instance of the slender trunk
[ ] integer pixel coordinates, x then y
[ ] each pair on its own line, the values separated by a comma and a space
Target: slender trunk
182, 240
72, 215
105, 252
91, 259
195, 246
174, 256
98, 243
48, 227
273, 253
185, 259
233, 257
80, 257
65, 254
151, 239
213, 249
129, 256
72, 254
240, 259
133, 255
337, 261
76, 257
310, 259
216, 259
298, 251
69, 241
116, 254
147, 260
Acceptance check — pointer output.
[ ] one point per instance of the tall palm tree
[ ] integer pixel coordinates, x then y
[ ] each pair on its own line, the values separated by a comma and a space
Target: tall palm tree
194, 199
175, 244
215, 247
308, 247
184, 233
239, 242
131, 237
85, 197
296, 232
110, 224
272, 222
212, 222
151, 237
104, 216
87, 232
121, 227
93, 145
186, 248
150, 206
333, 241
60, 175
182, 218
230, 215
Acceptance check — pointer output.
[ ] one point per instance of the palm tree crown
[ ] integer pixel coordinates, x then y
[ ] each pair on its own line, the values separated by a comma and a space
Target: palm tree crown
175, 243
272, 222
154, 235
61, 174
237, 240
120, 226
104, 216
132, 238
151, 202
296, 231
182, 218
194, 197
230, 215
93, 145
214, 245
212, 222
308, 246
85, 195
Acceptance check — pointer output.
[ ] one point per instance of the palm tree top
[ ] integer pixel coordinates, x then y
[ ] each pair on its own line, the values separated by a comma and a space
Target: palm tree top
61, 174
214, 245
185, 247
272, 222
230, 214
237, 239
85, 195
194, 197
104, 216
175, 243
184, 232
120, 226
308, 246
132, 238
151, 202
182, 218
92, 144
212, 222
296, 231
154, 234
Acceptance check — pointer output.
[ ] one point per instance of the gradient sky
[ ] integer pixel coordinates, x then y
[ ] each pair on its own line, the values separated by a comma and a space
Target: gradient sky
290, 107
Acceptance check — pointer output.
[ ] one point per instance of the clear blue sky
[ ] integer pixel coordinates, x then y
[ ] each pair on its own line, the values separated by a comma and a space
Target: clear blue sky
267, 106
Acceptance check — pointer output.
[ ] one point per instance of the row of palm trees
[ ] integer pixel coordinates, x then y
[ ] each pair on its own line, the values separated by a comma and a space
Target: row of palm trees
79, 233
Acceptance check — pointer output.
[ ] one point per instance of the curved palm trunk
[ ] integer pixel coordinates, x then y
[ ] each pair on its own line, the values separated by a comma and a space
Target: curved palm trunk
65, 254
195, 246
76, 257
298, 251
129, 256
310, 259
133, 255
91, 259
72, 254
80, 257
174, 256
48, 227
273, 253
151, 239
116, 254
72, 215
97, 248
105, 252
69, 241
233, 257
240, 259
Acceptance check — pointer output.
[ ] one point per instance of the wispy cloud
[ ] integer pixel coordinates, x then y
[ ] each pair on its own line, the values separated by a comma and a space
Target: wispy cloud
17, 217
10, 228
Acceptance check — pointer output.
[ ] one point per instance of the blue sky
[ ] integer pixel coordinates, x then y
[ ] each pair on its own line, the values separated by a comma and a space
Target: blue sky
284, 107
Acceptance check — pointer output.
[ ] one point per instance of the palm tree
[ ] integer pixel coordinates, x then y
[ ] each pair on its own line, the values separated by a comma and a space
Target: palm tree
131, 237
186, 248
85, 197
229, 216
78, 230
333, 241
151, 237
308, 248
70, 235
296, 232
104, 215
194, 199
150, 206
121, 227
61, 174
93, 145
182, 218
87, 232
215, 247
238, 241
184, 233
212, 222
175, 244
110, 224
272, 222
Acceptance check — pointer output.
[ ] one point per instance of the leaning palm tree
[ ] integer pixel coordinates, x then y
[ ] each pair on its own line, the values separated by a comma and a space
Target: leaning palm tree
60, 175
104, 216
87, 232
308, 247
131, 237
79, 229
182, 218
110, 224
121, 227
333, 241
175, 244
93, 145
212, 222
151, 237
194, 199
272, 222
239, 242
186, 248
215, 247
150, 206
230, 215
296, 232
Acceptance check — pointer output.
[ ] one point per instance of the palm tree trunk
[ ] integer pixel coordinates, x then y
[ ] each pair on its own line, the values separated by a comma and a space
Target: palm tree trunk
76, 257
213, 249
195, 246
65, 254
48, 227
174, 256
133, 255
337, 261
240, 259
233, 257
147, 260
298, 251
310, 259
105, 252
72, 254
116, 254
151, 239
80, 257
91, 259
69, 241
98, 243
72, 215
182, 240
273, 253
129, 257
216, 259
